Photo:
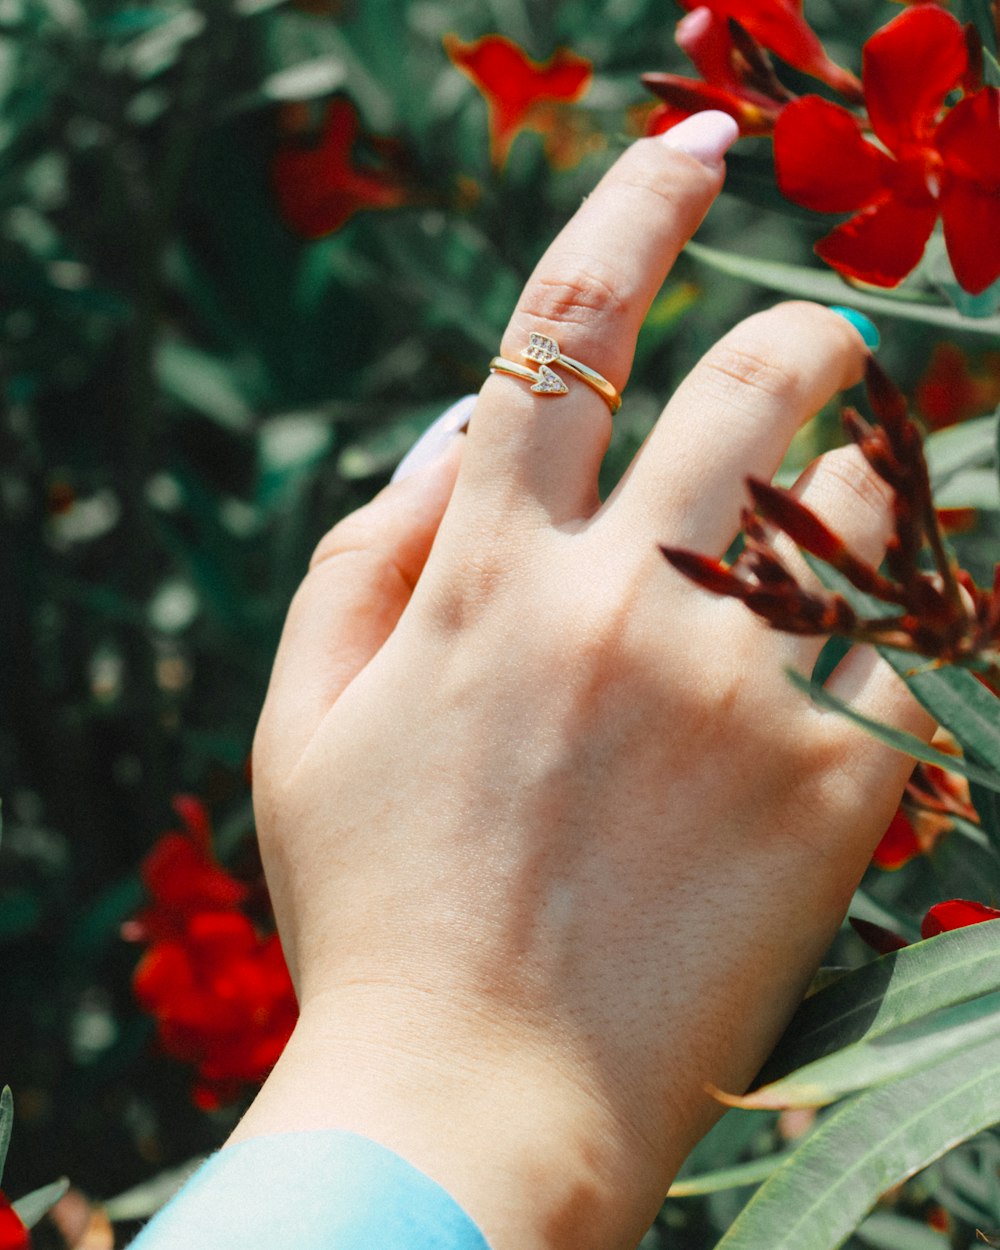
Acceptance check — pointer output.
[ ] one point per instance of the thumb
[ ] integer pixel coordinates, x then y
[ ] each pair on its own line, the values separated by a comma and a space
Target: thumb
360, 580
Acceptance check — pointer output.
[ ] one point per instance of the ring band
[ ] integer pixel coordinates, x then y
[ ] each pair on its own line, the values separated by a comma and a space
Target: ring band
545, 381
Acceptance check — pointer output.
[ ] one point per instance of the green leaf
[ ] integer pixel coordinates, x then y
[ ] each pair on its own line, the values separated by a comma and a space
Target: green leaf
33, 1206
910, 1048
751, 1173
889, 993
967, 445
6, 1123
306, 81
874, 1142
203, 383
905, 742
962, 705
885, 1230
827, 288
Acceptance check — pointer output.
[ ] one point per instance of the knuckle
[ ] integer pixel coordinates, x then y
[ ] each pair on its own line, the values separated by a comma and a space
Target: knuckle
574, 297
846, 471
738, 366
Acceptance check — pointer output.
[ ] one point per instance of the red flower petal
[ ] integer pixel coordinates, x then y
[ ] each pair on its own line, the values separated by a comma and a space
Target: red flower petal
822, 161
319, 188
685, 96
898, 845
513, 83
909, 66
13, 1234
882, 243
704, 38
956, 913
183, 880
780, 27
968, 141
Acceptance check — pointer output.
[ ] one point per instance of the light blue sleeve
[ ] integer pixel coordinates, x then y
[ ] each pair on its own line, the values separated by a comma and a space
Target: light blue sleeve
318, 1190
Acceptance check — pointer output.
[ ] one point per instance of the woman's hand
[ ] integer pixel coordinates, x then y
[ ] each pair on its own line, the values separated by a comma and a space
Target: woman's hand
551, 840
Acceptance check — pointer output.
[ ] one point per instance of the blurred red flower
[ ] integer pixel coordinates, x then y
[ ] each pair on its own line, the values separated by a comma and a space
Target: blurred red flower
779, 26
519, 91
727, 80
182, 877
951, 390
899, 844
13, 1234
223, 1001
320, 186
955, 913
219, 990
926, 167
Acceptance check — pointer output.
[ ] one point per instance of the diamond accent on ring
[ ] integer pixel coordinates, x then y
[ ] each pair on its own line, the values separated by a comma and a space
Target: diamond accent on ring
549, 383
541, 349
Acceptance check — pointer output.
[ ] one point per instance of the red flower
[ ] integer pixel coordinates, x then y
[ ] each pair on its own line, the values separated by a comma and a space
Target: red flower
182, 877
951, 390
13, 1234
899, 844
779, 26
948, 168
956, 913
320, 187
729, 85
222, 999
219, 991
515, 86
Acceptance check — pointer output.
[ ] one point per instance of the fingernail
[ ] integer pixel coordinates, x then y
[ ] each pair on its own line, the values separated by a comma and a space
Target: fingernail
432, 443
864, 326
706, 136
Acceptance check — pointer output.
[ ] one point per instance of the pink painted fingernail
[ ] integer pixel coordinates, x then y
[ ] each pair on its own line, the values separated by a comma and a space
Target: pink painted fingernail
432, 443
706, 136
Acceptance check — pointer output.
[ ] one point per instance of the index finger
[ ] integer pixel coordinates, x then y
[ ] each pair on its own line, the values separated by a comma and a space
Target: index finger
590, 292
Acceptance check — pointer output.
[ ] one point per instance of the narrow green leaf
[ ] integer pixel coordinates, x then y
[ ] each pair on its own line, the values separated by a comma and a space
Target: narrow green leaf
875, 1141
889, 993
967, 445
827, 288
961, 704
6, 1123
885, 1230
751, 1173
203, 383
909, 1048
899, 740
33, 1206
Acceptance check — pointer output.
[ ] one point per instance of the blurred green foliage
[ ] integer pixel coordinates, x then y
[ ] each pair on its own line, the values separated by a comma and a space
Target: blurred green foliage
192, 395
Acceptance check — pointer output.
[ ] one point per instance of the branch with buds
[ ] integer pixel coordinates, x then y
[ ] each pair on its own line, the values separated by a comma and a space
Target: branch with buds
940, 614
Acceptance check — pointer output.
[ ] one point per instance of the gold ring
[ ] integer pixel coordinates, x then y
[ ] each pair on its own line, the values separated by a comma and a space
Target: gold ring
545, 381
545, 351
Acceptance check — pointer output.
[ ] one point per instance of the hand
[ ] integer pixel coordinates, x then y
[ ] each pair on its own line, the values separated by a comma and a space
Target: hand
552, 841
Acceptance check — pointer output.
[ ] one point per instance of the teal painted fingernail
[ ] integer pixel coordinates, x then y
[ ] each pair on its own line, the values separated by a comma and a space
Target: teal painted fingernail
864, 326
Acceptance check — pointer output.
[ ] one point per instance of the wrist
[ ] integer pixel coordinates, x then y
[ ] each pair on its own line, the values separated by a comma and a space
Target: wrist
537, 1163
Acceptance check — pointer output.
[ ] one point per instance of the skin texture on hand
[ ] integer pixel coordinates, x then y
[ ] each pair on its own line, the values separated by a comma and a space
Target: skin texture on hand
552, 841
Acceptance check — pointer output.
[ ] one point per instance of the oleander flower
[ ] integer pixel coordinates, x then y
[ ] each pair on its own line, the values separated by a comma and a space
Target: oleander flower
13, 1234
222, 999
779, 26
898, 844
955, 913
320, 186
736, 77
519, 91
217, 987
927, 163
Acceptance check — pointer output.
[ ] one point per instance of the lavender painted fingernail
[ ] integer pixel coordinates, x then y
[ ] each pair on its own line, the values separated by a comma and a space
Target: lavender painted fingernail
706, 136
432, 443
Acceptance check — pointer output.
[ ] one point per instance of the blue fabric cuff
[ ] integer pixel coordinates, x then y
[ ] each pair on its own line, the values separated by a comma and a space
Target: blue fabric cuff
320, 1190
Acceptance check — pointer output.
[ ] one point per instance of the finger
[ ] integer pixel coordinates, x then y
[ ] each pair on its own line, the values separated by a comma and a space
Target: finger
359, 582
590, 292
849, 497
733, 417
